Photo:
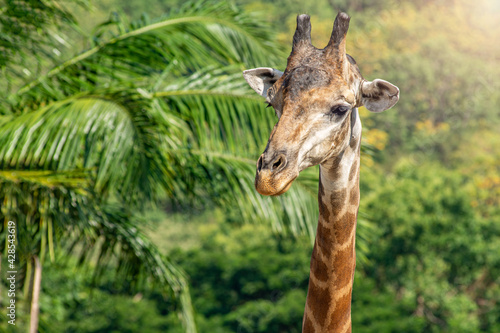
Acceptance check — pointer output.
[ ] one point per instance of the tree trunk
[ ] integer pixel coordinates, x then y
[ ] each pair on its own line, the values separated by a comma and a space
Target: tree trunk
37, 281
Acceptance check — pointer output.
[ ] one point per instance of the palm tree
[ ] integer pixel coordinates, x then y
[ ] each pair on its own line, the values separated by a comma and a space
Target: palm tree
149, 110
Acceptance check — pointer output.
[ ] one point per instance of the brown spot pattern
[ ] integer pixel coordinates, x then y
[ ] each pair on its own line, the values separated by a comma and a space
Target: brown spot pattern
334, 171
338, 200
354, 170
324, 212
354, 196
336, 263
343, 227
343, 268
308, 325
318, 268
320, 302
324, 239
341, 314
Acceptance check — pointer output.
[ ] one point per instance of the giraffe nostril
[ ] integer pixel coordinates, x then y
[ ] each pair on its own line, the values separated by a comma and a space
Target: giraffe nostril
259, 164
278, 163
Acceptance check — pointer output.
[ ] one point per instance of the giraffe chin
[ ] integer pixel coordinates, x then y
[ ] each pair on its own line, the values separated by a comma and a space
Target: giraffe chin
284, 189
264, 188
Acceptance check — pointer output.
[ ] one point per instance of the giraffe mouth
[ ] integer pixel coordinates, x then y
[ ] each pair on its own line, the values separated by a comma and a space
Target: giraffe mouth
284, 189
266, 185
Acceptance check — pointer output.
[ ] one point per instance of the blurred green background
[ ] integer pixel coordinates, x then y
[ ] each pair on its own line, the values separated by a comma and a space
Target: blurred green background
128, 141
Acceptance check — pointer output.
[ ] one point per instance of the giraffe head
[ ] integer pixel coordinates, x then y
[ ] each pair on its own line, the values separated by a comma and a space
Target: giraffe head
316, 101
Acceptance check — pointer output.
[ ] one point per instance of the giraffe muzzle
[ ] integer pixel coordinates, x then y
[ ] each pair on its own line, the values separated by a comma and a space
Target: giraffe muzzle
273, 176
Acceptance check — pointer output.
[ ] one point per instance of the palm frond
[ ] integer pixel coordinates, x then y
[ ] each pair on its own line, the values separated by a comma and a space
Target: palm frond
55, 214
201, 33
73, 179
115, 134
30, 28
221, 111
119, 243
42, 204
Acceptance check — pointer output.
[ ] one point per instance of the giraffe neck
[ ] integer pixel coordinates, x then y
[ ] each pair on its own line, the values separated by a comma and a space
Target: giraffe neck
328, 304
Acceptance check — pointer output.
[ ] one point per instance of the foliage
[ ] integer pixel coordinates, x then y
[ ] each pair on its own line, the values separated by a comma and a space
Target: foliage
243, 279
449, 88
73, 303
31, 29
433, 248
377, 309
481, 162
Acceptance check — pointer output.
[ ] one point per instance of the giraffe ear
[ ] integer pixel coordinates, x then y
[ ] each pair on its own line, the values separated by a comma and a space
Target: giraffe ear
379, 95
262, 78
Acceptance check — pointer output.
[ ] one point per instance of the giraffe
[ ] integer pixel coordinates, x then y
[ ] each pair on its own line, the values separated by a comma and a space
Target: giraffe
316, 101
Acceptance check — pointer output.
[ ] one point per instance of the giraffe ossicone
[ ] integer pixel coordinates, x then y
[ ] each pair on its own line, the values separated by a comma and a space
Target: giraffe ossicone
316, 100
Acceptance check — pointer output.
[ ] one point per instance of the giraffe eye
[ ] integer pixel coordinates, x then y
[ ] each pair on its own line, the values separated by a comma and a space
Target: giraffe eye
339, 109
